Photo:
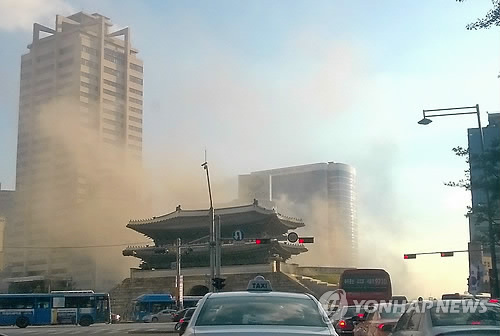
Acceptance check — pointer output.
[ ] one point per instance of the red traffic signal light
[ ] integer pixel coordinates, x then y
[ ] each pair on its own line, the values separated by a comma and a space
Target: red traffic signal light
410, 256
306, 240
446, 254
262, 241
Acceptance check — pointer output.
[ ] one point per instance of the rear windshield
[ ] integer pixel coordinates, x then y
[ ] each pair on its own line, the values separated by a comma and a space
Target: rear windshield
261, 310
351, 311
189, 312
441, 317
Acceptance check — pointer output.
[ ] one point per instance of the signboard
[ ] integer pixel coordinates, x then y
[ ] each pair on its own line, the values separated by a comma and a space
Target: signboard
238, 235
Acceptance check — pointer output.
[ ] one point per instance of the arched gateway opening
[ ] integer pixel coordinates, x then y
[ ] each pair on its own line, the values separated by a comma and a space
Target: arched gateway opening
198, 290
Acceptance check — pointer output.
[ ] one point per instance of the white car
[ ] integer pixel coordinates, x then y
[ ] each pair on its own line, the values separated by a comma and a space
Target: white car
166, 315
259, 311
449, 317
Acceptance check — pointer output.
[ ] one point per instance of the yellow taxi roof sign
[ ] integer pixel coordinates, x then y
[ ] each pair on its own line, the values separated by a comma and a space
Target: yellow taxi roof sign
259, 284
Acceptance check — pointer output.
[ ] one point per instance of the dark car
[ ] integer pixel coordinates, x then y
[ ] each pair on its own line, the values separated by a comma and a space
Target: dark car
379, 320
184, 321
179, 314
350, 317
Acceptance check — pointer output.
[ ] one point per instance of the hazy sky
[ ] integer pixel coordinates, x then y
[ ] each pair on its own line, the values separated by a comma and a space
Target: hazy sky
266, 84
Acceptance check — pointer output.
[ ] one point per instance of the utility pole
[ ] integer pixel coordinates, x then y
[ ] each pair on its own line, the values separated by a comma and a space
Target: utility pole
212, 242
180, 280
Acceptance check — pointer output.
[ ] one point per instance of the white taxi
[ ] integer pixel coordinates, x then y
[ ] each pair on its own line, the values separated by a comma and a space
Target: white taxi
259, 311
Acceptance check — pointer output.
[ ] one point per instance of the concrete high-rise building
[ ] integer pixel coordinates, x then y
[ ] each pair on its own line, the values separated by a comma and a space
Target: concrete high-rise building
80, 132
479, 229
322, 194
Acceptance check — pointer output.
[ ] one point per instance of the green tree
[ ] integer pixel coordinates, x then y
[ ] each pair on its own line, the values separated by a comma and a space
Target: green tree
486, 168
492, 18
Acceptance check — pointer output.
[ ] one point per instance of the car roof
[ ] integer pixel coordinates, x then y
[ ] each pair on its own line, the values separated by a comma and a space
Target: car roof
260, 293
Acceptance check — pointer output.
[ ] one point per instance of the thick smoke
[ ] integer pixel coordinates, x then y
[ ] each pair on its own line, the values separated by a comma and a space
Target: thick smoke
93, 189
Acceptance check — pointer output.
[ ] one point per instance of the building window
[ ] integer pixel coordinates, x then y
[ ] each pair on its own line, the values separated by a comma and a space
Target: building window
114, 56
89, 76
136, 138
90, 51
136, 80
137, 92
90, 64
117, 114
136, 101
112, 93
111, 122
137, 120
109, 131
113, 84
136, 67
113, 72
135, 128
136, 110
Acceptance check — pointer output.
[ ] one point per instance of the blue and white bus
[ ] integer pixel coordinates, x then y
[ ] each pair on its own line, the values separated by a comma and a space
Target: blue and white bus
84, 308
148, 304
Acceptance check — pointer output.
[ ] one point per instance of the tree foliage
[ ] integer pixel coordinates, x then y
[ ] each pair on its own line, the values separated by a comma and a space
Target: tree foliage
492, 18
486, 168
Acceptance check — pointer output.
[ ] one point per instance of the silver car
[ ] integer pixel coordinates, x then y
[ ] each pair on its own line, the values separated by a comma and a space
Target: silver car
259, 311
449, 317
165, 315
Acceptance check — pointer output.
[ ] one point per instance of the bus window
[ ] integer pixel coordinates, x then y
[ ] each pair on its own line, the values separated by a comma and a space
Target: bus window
78, 302
58, 302
17, 303
42, 303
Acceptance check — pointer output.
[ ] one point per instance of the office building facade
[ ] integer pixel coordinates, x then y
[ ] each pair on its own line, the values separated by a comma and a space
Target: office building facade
324, 195
478, 229
80, 118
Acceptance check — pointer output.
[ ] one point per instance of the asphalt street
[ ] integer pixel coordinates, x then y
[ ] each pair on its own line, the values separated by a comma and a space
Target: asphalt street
96, 329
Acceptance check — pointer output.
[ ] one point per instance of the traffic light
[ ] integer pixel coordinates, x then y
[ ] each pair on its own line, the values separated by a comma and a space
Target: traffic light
446, 254
262, 241
410, 256
306, 240
218, 283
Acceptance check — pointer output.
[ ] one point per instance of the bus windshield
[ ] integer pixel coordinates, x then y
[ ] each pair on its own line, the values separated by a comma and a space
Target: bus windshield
366, 284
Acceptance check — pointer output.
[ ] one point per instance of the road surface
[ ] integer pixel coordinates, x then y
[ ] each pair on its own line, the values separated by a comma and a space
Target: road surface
96, 329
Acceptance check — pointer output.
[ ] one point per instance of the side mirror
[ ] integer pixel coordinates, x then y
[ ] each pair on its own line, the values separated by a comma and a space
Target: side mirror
387, 328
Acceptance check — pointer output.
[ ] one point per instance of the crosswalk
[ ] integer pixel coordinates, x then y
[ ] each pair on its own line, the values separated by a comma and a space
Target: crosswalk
124, 329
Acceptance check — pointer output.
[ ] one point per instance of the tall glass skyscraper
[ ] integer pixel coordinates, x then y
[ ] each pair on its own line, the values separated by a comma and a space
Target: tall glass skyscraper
324, 195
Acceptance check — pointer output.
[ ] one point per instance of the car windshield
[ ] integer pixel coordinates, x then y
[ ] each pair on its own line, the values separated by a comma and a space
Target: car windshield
263, 310
480, 316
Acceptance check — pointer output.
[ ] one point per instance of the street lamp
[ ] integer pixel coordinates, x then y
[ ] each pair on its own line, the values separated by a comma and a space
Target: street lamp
495, 290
